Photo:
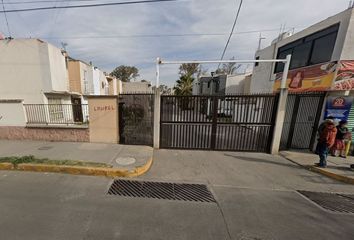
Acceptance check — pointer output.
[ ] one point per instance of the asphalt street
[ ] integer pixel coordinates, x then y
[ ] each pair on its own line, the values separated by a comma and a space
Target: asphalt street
256, 199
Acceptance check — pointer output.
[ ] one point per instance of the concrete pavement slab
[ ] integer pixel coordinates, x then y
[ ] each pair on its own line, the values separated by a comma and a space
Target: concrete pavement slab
269, 215
94, 152
246, 170
337, 167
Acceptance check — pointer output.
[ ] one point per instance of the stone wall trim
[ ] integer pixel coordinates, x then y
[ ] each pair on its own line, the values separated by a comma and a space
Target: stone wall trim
45, 134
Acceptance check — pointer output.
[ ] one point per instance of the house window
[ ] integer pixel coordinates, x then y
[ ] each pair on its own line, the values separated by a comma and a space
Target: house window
55, 108
257, 63
217, 86
300, 55
323, 48
313, 49
282, 55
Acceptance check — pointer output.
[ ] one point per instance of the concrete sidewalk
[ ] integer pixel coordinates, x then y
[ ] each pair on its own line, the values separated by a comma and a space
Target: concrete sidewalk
337, 167
119, 156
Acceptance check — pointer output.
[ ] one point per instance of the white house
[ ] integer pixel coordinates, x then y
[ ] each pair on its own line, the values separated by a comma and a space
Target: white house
34, 71
222, 84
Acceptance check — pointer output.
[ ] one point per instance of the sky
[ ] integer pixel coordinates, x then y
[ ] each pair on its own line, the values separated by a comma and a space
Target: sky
117, 35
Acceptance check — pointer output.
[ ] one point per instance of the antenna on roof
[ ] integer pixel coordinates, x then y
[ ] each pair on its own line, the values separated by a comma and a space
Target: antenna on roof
63, 45
260, 41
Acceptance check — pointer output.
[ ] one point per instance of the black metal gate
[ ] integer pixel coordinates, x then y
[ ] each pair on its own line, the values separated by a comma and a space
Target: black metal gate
303, 112
136, 119
230, 123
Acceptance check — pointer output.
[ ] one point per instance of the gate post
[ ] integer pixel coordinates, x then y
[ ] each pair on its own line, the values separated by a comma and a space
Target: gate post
280, 115
157, 106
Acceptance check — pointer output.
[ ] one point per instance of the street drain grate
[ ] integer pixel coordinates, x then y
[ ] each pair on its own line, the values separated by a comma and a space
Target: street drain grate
45, 148
161, 190
332, 201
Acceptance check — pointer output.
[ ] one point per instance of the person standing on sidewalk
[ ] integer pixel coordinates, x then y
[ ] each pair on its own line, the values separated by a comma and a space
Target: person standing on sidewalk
320, 129
342, 140
327, 138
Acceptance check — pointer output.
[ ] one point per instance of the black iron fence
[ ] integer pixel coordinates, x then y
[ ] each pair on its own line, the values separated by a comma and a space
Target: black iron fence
57, 113
235, 122
303, 112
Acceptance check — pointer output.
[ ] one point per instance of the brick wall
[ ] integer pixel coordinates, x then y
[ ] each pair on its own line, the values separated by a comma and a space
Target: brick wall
45, 134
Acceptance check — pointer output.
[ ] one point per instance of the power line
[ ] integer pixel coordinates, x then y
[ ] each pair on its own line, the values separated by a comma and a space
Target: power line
232, 31
159, 35
56, 15
85, 6
7, 22
47, 1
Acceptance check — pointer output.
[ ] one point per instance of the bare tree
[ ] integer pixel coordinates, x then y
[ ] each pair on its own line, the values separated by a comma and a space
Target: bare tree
229, 68
189, 69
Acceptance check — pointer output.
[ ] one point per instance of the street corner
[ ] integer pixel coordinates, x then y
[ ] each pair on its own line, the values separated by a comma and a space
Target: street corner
111, 172
141, 170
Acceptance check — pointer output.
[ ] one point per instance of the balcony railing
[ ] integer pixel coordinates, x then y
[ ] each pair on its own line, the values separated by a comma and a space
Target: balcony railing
68, 114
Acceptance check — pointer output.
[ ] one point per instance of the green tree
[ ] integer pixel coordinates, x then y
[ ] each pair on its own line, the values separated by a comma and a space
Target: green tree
184, 85
125, 73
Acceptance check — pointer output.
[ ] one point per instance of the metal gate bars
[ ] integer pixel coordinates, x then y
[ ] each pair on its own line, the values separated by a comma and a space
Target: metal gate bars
136, 119
303, 112
230, 123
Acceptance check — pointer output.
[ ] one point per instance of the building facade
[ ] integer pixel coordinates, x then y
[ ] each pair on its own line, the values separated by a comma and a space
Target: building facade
320, 53
222, 84
136, 87
322, 62
34, 71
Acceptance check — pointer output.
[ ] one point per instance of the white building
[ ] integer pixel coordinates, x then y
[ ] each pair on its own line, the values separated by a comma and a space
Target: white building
222, 84
136, 87
34, 71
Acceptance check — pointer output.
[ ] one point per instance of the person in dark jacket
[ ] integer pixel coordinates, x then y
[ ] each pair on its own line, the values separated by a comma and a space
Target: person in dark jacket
326, 141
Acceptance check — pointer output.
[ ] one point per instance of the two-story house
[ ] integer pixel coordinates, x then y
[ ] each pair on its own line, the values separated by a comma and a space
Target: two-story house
34, 71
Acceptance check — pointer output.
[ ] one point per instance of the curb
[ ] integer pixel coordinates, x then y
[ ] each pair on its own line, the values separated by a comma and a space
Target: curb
6, 166
322, 171
332, 175
75, 170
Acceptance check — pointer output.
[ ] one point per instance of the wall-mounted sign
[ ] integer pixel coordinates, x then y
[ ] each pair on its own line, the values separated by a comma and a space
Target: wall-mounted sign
104, 108
338, 107
309, 79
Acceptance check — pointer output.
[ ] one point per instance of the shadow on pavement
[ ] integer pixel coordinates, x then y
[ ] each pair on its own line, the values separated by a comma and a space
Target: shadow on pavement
259, 160
320, 179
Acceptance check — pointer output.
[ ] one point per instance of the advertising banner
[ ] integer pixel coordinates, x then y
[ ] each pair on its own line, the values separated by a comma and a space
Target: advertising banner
316, 78
345, 76
338, 107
